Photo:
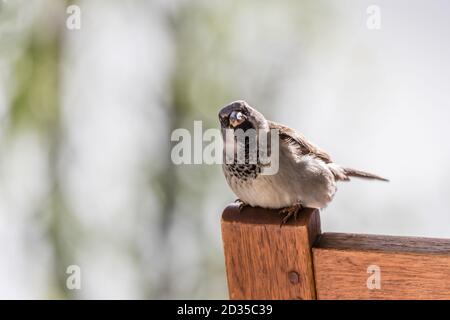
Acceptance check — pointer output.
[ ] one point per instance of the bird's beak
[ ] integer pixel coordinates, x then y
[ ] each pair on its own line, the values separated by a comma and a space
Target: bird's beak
236, 118
233, 123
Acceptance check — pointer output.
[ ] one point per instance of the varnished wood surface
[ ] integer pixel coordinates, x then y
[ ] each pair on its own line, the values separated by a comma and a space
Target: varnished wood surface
369, 242
266, 261
410, 268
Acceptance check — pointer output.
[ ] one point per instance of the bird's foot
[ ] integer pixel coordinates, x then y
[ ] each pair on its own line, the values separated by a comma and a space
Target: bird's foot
241, 204
289, 212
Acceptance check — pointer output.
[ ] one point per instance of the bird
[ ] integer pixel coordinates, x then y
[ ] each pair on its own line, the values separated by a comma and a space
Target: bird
306, 176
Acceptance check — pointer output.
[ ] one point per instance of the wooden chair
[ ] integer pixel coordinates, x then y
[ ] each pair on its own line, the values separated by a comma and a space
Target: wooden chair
297, 261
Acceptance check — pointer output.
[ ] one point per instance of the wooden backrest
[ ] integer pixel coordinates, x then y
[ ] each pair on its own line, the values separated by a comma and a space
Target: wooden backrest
297, 261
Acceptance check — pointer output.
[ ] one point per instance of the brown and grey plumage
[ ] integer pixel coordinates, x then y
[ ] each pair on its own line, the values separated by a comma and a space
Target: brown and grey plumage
306, 177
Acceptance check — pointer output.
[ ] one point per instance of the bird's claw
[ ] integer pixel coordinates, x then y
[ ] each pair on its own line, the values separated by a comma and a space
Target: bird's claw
241, 204
289, 212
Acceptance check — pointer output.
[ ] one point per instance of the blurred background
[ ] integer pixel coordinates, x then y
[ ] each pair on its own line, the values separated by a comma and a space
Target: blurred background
86, 117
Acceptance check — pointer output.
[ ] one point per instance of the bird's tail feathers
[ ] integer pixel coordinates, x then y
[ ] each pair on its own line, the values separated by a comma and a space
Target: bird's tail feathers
349, 172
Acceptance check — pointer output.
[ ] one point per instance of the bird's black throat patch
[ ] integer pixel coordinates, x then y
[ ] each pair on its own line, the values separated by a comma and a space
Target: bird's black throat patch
247, 168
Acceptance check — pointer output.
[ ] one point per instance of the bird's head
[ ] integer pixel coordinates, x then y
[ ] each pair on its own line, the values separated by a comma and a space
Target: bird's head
239, 115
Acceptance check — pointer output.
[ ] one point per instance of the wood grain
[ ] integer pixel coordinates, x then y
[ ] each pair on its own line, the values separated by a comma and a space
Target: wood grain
266, 261
410, 268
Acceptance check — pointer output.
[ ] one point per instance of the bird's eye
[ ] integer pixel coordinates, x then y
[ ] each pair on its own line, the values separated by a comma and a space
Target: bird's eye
236, 118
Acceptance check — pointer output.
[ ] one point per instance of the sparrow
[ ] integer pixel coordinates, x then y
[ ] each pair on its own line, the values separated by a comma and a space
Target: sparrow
306, 175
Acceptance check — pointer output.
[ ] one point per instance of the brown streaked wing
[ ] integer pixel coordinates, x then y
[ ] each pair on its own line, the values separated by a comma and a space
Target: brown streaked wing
291, 136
